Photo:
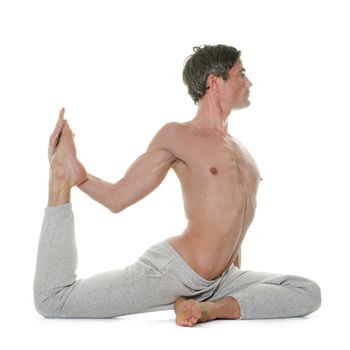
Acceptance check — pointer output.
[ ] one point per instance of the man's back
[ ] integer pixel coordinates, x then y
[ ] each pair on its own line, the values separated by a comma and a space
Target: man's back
219, 182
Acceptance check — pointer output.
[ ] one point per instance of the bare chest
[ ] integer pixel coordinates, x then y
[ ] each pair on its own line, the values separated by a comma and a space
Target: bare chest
219, 160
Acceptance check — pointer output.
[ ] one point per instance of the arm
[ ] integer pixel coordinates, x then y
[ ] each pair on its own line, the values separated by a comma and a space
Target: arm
141, 178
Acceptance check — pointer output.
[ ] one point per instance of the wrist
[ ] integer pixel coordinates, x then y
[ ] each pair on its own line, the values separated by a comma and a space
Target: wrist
83, 182
81, 185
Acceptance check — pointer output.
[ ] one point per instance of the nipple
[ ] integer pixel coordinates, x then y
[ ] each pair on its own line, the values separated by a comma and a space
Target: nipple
213, 170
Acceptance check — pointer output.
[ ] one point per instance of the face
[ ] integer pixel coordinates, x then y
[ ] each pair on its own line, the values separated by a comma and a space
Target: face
235, 90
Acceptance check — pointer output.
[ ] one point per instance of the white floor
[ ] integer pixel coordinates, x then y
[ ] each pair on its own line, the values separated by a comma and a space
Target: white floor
116, 67
158, 331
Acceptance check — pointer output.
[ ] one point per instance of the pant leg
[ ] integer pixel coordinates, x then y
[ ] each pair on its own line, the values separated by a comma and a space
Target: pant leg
264, 295
140, 287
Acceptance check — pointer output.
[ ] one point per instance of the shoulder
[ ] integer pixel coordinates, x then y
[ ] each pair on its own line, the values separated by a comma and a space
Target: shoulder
170, 132
172, 128
168, 137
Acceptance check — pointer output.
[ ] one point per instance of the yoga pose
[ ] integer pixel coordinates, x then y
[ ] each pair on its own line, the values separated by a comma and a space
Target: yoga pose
198, 273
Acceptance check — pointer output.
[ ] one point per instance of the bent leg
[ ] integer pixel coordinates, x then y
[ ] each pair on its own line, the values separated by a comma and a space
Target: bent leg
57, 257
140, 287
57, 293
56, 260
262, 295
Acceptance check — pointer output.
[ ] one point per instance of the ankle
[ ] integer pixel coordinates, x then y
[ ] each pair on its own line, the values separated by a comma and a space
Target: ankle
57, 174
231, 307
59, 189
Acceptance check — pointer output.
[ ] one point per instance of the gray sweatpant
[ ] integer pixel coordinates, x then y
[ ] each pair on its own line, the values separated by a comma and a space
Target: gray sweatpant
153, 282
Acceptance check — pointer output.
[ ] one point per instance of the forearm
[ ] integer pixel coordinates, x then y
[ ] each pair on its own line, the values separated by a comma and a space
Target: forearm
140, 179
101, 191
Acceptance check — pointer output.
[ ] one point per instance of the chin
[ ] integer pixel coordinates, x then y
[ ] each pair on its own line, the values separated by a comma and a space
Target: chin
241, 106
246, 104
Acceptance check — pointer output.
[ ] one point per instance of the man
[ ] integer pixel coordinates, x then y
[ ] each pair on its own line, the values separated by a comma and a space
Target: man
198, 272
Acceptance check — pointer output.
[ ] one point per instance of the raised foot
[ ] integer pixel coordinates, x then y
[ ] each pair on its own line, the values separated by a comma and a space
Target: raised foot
64, 165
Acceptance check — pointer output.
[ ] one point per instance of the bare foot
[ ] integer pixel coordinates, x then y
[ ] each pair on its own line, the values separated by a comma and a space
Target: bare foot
64, 164
56, 134
189, 311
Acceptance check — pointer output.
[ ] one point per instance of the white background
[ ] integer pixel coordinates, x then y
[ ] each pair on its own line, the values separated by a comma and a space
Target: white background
116, 68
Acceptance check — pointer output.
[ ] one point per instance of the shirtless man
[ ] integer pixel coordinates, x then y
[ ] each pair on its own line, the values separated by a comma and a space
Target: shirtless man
198, 272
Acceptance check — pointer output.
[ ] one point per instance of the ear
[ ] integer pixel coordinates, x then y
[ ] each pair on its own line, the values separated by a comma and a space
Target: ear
212, 81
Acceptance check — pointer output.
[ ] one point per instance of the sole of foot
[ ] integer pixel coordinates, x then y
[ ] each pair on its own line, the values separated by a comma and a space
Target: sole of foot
64, 163
188, 312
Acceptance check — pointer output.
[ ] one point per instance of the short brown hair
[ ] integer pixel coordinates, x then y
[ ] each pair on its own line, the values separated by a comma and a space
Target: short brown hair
208, 59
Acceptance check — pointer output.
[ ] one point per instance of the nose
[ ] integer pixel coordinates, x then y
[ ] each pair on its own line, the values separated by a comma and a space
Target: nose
249, 83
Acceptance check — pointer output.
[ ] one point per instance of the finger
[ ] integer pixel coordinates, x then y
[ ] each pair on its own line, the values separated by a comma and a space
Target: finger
58, 133
59, 125
68, 128
55, 133
57, 141
66, 124
60, 116
62, 112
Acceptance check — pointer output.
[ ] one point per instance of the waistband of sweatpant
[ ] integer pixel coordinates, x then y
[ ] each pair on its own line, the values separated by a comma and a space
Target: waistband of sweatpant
184, 272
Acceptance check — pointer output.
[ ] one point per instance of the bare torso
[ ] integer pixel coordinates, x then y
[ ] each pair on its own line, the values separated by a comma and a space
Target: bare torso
219, 181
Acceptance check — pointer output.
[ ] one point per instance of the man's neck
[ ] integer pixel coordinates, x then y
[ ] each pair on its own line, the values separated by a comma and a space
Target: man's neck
211, 117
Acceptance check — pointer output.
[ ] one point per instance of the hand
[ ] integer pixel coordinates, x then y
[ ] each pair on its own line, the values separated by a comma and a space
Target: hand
56, 134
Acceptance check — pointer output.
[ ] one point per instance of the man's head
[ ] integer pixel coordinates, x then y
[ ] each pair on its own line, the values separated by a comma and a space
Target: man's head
209, 62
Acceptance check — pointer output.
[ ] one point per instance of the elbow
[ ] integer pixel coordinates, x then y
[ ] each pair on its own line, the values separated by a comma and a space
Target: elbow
116, 207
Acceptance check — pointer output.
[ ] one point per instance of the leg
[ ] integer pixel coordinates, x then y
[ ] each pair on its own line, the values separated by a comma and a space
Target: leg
56, 261
277, 296
252, 295
140, 287
263, 295
57, 292
57, 258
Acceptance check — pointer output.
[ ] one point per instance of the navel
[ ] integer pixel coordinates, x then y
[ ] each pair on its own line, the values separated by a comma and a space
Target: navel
213, 170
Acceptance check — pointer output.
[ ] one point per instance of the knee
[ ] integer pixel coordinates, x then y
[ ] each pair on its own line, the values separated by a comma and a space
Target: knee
314, 296
52, 302
307, 294
44, 308
311, 300
44, 304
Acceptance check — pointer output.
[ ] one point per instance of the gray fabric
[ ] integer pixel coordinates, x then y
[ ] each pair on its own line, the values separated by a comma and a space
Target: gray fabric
153, 283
